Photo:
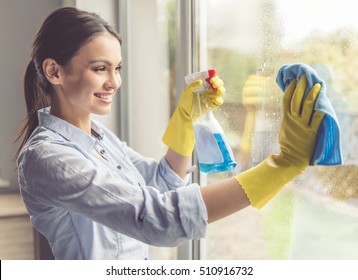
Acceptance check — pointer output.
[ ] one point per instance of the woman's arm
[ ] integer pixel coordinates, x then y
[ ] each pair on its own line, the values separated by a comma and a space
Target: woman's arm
221, 199
180, 164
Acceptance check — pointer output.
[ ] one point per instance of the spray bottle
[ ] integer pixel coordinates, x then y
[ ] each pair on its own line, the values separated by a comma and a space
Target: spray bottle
211, 145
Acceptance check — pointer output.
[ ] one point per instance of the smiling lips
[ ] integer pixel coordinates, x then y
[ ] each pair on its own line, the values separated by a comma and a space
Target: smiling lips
104, 97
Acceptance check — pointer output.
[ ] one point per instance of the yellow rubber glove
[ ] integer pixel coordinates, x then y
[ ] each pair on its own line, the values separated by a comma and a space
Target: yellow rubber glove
179, 135
297, 139
209, 100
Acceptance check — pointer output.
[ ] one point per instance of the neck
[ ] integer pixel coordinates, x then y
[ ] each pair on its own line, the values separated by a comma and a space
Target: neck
82, 121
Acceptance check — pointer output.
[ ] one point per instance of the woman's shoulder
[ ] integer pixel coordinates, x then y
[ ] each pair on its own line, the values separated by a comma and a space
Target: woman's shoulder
43, 144
42, 138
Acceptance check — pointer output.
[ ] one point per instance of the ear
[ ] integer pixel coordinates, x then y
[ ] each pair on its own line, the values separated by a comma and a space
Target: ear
51, 70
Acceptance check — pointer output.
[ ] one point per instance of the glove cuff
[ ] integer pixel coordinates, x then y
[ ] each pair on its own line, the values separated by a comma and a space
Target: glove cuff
263, 181
179, 134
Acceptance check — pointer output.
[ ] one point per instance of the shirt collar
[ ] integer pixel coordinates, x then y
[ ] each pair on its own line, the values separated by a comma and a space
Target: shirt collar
68, 131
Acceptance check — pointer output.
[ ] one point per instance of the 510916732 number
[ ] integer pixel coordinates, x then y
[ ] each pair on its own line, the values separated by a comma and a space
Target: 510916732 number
219, 270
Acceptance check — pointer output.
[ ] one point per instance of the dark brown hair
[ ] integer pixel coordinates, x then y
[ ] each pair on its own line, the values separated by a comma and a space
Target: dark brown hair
60, 37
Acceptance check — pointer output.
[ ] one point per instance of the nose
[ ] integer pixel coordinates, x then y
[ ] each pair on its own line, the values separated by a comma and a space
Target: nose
114, 82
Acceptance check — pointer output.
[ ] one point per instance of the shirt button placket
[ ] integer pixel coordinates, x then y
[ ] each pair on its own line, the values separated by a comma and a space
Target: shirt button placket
102, 152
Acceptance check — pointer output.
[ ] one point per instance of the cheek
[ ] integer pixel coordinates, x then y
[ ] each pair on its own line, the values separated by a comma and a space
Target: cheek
83, 85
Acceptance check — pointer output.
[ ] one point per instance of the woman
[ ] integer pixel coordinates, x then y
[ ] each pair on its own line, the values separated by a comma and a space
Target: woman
92, 196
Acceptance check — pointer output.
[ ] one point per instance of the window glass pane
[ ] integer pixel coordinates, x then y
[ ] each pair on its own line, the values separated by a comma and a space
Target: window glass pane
316, 215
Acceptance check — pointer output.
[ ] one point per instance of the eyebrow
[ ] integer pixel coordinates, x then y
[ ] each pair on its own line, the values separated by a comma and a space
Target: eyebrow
102, 61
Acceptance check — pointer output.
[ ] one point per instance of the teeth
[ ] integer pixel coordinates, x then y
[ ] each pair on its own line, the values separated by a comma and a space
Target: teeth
103, 96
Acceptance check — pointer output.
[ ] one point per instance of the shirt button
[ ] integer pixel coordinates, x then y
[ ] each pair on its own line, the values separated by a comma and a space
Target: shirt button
102, 152
119, 167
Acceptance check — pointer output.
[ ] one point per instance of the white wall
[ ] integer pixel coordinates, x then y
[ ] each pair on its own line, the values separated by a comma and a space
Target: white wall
19, 21
149, 77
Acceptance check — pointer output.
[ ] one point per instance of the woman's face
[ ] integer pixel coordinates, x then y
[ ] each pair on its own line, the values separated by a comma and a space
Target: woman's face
91, 79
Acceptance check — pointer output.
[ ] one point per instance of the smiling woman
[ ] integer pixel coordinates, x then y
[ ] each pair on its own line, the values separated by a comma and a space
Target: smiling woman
52, 57
87, 83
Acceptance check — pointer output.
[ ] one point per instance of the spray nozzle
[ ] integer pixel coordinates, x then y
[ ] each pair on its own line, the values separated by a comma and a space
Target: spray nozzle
205, 76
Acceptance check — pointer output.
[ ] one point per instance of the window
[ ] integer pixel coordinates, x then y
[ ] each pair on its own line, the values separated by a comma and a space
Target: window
316, 215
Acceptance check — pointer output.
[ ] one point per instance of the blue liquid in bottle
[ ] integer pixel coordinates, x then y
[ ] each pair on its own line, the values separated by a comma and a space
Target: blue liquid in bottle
226, 165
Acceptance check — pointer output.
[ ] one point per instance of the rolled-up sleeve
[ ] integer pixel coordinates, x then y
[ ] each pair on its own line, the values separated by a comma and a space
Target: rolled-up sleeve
192, 217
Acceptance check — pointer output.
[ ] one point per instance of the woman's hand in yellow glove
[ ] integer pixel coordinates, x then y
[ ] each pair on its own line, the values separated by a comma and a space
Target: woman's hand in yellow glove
209, 99
179, 135
300, 124
297, 139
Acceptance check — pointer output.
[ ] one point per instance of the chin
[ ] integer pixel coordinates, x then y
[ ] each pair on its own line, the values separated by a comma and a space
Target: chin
102, 112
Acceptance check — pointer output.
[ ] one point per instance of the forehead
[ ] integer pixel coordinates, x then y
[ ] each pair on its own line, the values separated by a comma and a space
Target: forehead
104, 46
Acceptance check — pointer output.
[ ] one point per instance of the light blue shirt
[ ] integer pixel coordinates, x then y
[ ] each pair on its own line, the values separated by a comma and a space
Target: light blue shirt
96, 198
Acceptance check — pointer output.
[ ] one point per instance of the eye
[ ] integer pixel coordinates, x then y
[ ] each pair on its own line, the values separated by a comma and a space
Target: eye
118, 68
100, 69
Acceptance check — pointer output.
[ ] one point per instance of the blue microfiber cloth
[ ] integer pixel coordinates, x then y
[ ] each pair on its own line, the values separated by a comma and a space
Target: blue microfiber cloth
328, 147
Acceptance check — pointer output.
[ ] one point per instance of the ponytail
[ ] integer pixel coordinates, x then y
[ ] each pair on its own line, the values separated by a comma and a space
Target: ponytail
35, 99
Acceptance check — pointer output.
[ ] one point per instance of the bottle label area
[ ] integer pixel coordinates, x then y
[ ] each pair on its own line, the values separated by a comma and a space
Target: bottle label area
214, 154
